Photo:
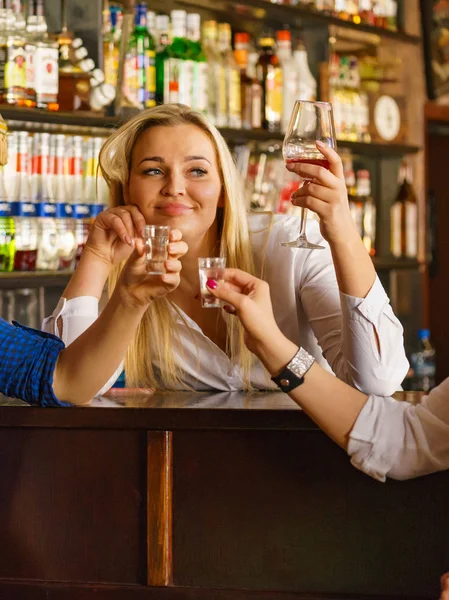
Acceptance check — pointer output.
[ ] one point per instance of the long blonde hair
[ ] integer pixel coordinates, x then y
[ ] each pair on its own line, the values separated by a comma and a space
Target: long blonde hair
157, 333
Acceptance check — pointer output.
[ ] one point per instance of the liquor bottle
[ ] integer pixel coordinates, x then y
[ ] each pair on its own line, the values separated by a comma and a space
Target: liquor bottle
24, 211
307, 85
290, 77
7, 229
197, 55
14, 63
188, 65
404, 217
355, 201
110, 47
341, 9
269, 74
65, 221
163, 27
151, 24
380, 13
217, 110
369, 211
46, 78
232, 77
139, 85
174, 73
241, 43
391, 12
44, 165
423, 363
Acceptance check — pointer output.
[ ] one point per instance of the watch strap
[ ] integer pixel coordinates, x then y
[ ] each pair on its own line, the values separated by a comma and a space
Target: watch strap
292, 375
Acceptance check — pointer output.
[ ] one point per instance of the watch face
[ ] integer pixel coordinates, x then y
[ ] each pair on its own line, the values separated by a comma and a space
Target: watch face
387, 118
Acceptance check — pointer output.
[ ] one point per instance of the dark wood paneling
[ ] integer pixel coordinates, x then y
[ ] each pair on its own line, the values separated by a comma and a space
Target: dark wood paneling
72, 505
159, 507
437, 184
49, 591
287, 511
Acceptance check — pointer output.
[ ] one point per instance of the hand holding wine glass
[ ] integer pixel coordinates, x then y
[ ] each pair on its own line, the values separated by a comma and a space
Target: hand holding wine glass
326, 195
308, 151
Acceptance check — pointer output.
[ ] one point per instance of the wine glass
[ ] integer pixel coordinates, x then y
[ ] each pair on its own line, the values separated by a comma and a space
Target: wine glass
310, 122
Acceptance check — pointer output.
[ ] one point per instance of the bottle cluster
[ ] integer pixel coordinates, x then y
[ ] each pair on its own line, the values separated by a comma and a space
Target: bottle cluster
176, 58
379, 13
48, 195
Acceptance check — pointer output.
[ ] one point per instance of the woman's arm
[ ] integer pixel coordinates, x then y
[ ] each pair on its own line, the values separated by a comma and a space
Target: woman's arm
383, 436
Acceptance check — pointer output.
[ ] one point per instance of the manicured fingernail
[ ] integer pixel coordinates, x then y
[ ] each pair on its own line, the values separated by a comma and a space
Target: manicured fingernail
129, 241
289, 167
212, 284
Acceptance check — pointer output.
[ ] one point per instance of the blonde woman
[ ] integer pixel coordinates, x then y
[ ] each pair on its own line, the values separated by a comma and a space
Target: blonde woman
170, 166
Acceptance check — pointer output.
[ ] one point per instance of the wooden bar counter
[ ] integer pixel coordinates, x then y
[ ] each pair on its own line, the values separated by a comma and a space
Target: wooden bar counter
205, 496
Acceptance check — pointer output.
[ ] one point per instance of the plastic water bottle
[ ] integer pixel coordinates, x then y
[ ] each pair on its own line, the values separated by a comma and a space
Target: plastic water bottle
423, 363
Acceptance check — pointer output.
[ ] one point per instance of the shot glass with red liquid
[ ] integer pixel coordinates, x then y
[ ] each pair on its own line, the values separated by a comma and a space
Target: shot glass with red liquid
310, 122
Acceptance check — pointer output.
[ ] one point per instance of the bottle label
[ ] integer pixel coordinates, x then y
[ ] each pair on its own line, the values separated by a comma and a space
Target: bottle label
150, 79
23, 209
46, 77
274, 101
396, 213
15, 69
64, 210
46, 209
172, 68
256, 106
130, 80
411, 230
200, 87
30, 61
81, 211
111, 58
5, 209
186, 82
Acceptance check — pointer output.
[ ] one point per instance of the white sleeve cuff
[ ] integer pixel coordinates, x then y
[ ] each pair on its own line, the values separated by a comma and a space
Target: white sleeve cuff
76, 314
369, 307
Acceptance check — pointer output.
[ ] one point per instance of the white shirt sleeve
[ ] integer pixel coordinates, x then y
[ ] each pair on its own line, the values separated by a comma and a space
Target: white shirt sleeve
76, 315
401, 440
346, 329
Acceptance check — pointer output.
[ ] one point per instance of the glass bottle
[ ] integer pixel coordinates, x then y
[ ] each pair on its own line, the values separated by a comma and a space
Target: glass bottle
404, 217
269, 74
176, 82
369, 211
232, 77
140, 70
199, 63
163, 27
15, 66
290, 75
216, 76
241, 43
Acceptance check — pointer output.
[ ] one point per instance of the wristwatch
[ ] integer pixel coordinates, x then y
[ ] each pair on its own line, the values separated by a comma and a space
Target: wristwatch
293, 374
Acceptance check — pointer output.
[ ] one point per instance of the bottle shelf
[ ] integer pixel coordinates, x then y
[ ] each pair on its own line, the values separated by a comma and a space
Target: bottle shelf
296, 16
82, 121
34, 279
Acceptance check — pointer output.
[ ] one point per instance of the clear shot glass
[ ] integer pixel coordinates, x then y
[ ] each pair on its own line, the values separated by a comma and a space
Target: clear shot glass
210, 268
156, 239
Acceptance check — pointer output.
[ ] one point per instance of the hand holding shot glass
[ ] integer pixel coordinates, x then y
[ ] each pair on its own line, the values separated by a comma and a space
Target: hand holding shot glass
156, 239
210, 268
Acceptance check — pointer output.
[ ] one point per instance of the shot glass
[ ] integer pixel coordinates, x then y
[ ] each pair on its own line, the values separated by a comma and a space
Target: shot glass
210, 268
156, 239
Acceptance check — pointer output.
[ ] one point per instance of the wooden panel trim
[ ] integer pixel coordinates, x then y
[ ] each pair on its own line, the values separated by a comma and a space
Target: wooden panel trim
68, 591
436, 112
159, 507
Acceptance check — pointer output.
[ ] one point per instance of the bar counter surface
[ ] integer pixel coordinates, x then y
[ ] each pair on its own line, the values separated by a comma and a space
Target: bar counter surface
205, 496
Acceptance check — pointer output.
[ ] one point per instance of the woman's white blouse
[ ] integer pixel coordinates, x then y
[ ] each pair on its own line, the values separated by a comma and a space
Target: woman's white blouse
401, 440
338, 330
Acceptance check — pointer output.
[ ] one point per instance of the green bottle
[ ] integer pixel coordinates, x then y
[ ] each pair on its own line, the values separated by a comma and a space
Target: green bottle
176, 83
162, 27
140, 70
7, 229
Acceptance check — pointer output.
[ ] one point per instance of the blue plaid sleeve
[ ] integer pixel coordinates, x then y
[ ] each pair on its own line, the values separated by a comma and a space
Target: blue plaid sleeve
27, 363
